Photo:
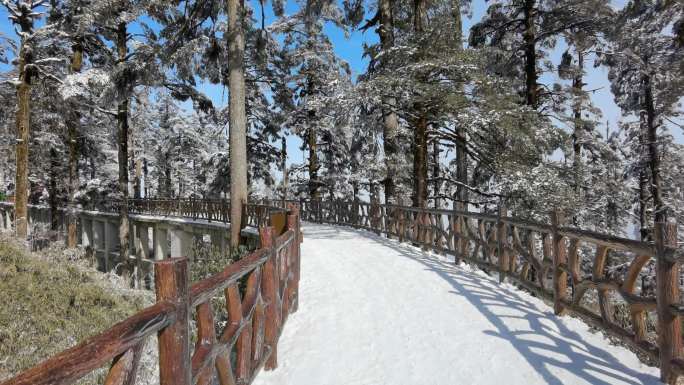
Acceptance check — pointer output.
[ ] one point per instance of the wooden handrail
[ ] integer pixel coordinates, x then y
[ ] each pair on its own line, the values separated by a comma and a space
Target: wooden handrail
74, 363
256, 317
205, 289
544, 258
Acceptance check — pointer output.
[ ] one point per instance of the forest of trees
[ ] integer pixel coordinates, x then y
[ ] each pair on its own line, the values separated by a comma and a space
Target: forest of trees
107, 100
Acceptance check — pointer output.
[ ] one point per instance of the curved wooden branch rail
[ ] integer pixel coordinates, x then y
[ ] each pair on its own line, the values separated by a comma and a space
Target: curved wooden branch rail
544, 258
256, 316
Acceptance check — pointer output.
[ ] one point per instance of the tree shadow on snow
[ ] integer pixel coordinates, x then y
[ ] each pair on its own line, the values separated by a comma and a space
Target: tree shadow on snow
546, 343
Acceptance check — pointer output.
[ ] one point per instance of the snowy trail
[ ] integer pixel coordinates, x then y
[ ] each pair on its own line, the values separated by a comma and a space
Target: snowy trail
373, 311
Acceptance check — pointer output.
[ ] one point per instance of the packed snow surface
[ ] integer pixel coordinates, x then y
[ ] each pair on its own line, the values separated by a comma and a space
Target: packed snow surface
373, 311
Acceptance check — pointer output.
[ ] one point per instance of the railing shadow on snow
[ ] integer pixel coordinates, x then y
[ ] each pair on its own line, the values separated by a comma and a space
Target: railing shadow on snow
563, 348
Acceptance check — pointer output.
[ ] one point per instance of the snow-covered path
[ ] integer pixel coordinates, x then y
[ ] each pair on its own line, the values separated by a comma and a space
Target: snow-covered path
373, 311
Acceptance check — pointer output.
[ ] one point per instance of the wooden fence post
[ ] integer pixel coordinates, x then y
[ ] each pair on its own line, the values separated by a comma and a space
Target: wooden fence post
560, 278
376, 223
171, 284
502, 238
422, 230
269, 292
459, 233
293, 223
667, 294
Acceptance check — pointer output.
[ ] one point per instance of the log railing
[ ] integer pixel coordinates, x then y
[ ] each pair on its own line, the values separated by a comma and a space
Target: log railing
217, 210
206, 209
547, 259
260, 292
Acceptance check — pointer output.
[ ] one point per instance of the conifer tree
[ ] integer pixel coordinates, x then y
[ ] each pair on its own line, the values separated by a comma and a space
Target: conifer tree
646, 79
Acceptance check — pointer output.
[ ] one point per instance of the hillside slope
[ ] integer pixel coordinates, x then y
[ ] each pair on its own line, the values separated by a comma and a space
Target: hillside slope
52, 300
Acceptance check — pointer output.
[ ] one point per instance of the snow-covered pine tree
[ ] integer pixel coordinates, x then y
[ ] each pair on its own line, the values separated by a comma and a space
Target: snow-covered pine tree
573, 103
23, 13
131, 61
646, 79
383, 21
203, 51
313, 111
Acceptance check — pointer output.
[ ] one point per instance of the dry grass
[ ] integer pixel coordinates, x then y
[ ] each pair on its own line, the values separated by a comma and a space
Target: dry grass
52, 301
210, 260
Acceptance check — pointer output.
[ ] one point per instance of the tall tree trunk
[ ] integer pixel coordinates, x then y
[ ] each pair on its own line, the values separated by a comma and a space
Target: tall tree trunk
283, 166
135, 164
168, 190
436, 172
461, 155
644, 231
659, 208
238, 122
145, 179
530, 55
314, 185
420, 123
578, 126
22, 120
458, 24
93, 166
137, 181
419, 15
420, 162
53, 190
72, 126
122, 121
390, 120
461, 171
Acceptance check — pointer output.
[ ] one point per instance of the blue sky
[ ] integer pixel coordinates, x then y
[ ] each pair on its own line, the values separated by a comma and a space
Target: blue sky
350, 48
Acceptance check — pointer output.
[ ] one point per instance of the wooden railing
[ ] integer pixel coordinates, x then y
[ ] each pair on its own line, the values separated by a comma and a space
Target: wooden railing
217, 210
256, 313
207, 209
546, 258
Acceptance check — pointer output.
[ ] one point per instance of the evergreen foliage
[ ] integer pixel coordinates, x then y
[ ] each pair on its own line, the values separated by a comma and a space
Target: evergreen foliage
441, 117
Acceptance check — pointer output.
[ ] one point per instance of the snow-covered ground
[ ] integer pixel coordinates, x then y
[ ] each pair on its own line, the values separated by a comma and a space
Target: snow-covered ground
373, 311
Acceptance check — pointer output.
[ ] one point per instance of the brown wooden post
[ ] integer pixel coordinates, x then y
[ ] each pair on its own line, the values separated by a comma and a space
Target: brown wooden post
378, 219
401, 215
269, 294
502, 238
124, 368
206, 338
243, 346
293, 223
667, 294
559, 258
464, 240
319, 211
423, 232
266, 235
171, 284
456, 236
459, 233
